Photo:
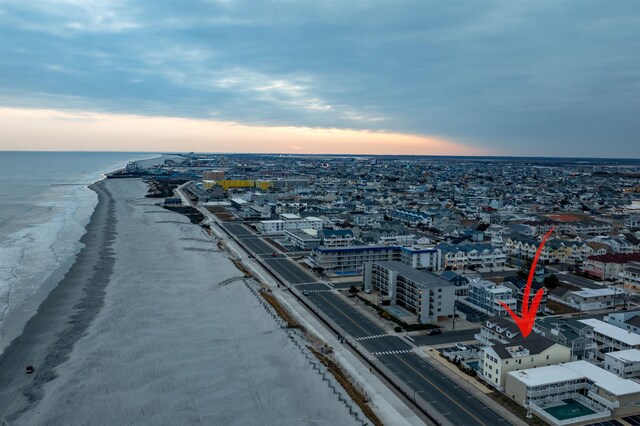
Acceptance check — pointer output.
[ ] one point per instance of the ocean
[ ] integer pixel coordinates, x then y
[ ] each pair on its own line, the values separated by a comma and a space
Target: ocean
44, 206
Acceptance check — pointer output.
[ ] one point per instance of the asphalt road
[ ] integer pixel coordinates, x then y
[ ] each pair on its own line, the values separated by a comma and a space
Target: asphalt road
438, 392
446, 337
578, 281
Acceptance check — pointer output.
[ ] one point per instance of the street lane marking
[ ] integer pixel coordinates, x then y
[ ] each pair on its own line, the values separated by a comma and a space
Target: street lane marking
445, 394
374, 336
402, 351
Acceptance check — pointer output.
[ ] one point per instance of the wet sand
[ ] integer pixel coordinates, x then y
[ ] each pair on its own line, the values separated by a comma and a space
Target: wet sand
49, 336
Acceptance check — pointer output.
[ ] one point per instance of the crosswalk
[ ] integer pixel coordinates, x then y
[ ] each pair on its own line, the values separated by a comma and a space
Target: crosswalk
324, 290
375, 336
309, 283
402, 351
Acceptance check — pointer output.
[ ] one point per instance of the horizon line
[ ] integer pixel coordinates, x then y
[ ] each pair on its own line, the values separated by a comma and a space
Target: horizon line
301, 154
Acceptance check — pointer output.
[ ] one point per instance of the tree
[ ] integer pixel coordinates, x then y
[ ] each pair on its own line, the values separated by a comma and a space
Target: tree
353, 289
551, 282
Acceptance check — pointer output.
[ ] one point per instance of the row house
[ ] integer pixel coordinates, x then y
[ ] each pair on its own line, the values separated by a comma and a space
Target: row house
471, 255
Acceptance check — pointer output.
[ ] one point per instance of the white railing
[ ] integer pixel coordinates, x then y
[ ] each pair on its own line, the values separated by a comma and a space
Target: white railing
603, 401
556, 422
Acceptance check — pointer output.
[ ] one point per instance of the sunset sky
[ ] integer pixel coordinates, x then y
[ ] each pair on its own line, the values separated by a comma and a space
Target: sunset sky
540, 78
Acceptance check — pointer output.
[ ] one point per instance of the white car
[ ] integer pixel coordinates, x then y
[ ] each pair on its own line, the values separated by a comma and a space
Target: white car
368, 291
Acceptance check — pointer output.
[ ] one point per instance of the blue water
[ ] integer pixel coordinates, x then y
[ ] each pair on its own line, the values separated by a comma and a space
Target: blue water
397, 312
473, 364
44, 207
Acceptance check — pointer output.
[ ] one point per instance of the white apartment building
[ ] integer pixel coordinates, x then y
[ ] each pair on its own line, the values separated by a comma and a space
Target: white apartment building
427, 295
590, 299
288, 222
603, 393
625, 364
534, 351
610, 338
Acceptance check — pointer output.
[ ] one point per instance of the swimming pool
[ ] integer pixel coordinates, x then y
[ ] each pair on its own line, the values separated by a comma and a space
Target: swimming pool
397, 312
473, 364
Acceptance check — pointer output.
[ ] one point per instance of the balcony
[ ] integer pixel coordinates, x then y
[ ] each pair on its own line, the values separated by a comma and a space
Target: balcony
609, 404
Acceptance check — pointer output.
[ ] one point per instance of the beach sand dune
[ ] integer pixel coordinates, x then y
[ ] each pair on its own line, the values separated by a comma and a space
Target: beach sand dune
164, 342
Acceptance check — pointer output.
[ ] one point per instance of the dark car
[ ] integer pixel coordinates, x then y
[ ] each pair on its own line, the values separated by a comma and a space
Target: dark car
434, 331
30, 369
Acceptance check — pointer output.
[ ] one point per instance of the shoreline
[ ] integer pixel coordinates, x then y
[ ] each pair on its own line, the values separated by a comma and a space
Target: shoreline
48, 337
12, 327
124, 338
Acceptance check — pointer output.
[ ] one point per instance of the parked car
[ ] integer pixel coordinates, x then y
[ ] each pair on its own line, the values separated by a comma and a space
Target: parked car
367, 290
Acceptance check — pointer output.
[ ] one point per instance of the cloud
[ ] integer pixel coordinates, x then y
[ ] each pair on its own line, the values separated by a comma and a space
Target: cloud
35, 129
561, 77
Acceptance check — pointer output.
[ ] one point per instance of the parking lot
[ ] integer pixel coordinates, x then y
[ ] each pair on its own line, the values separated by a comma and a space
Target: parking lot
473, 315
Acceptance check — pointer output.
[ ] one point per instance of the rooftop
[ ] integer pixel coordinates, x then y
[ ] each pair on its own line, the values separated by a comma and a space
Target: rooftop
609, 330
424, 279
630, 355
576, 370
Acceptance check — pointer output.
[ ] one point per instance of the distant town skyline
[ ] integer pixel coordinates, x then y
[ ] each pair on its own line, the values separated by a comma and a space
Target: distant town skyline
557, 79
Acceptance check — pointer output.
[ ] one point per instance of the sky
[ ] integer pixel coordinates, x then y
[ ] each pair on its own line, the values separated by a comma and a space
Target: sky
540, 78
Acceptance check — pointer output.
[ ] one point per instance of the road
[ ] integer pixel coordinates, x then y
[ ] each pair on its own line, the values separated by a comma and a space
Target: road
576, 280
446, 337
439, 392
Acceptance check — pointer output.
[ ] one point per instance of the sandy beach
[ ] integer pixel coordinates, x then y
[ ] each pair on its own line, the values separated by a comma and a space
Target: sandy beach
149, 326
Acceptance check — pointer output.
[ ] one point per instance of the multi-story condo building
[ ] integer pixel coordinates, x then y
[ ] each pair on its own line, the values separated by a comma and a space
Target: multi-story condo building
486, 296
289, 222
304, 239
569, 332
610, 338
534, 351
595, 393
625, 364
345, 261
427, 295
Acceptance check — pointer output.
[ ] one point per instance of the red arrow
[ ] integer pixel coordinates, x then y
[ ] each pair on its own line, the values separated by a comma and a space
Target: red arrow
525, 323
